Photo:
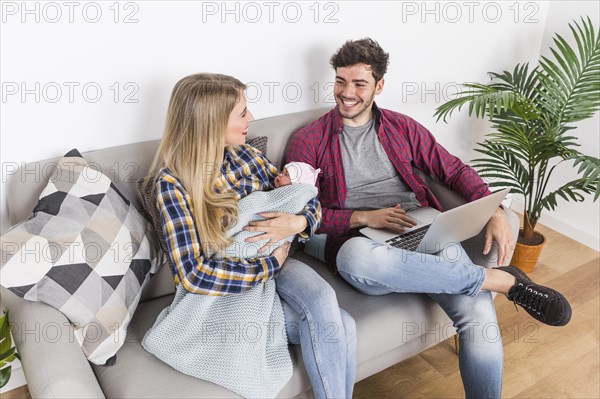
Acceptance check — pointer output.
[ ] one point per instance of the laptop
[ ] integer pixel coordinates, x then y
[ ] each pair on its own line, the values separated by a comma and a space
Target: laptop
435, 230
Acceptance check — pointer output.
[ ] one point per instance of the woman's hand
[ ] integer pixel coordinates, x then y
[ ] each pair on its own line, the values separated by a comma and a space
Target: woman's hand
276, 227
281, 253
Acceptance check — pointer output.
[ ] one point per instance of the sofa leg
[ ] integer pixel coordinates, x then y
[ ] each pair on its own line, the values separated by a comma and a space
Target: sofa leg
456, 343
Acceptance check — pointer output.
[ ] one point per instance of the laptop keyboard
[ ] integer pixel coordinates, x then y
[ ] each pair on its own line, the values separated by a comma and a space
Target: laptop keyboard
409, 241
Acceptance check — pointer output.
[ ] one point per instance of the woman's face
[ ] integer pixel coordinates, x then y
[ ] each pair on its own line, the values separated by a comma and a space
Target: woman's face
237, 126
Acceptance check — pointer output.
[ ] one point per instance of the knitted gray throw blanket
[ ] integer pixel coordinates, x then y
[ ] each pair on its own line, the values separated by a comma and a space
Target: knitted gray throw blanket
236, 341
289, 199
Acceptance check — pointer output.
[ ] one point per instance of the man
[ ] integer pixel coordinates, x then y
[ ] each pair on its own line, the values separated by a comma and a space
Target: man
367, 156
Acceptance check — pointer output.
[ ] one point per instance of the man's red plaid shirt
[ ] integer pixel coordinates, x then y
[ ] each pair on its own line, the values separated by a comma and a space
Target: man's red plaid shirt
409, 146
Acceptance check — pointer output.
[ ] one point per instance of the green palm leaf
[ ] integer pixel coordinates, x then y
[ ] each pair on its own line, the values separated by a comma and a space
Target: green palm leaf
590, 167
481, 99
5, 375
570, 85
531, 112
8, 353
572, 191
505, 167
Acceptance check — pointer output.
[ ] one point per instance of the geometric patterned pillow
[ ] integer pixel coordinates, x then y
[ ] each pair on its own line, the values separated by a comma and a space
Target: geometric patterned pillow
86, 251
146, 192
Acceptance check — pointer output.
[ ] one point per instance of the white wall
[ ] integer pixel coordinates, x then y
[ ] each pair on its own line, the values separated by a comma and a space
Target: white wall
581, 220
56, 55
52, 46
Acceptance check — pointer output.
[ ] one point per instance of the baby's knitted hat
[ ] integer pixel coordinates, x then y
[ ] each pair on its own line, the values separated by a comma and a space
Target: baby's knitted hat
301, 172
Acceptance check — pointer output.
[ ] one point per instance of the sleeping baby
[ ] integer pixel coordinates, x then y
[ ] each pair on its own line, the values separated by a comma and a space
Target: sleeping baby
297, 172
294, 187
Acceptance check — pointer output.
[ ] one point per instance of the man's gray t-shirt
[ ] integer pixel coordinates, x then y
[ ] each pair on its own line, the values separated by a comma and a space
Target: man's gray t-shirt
371, 180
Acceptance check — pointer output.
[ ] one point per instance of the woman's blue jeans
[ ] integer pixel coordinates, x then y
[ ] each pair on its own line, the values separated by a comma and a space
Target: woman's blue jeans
449, 278
326, 333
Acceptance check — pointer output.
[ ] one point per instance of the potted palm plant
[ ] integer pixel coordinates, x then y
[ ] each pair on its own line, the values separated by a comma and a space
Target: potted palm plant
8, 352
532, 112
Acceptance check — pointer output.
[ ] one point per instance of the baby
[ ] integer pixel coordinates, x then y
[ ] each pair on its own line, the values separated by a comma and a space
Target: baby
297, 172
294, 187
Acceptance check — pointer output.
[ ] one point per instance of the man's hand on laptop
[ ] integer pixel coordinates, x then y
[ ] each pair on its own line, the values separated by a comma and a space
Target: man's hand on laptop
394, 219
499, 230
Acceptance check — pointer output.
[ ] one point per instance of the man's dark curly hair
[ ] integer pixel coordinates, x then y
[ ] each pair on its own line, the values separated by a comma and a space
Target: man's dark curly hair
363, 51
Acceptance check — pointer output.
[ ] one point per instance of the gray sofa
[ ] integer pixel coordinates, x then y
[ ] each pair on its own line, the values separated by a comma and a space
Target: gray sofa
391, 328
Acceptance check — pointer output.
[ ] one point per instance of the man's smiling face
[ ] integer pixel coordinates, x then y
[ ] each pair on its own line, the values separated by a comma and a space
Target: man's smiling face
355, 89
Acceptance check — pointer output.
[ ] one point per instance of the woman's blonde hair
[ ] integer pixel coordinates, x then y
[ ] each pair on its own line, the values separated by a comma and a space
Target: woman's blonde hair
193, 146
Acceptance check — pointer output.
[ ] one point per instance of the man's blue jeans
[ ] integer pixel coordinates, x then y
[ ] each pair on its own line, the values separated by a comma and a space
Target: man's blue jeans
326, 333
450, 279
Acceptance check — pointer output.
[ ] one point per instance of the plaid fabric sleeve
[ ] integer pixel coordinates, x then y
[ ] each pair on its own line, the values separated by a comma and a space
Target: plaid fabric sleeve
335, 221
270, 170
302, 149
193, 270
429, 155
312, 213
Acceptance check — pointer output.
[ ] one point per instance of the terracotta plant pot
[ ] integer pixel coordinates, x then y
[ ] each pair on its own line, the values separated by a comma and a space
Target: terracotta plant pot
526, 256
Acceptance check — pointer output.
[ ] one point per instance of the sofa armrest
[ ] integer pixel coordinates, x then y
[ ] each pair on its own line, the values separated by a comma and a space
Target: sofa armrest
53, 362
448, 198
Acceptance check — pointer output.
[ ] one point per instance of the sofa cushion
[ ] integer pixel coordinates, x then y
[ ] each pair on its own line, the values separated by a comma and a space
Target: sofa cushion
260, 143
139, 374
85, 251
390, 329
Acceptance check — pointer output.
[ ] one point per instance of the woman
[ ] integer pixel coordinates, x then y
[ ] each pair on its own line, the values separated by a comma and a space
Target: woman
206, 126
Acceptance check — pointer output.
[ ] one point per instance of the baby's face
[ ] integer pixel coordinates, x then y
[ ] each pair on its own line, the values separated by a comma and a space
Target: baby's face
283, 179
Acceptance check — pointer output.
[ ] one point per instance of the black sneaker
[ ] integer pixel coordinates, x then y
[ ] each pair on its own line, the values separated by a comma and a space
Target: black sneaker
542, 303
